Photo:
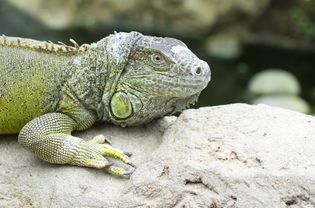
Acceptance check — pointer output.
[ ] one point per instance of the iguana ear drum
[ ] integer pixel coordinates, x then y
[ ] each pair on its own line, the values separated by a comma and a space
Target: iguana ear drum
123, 105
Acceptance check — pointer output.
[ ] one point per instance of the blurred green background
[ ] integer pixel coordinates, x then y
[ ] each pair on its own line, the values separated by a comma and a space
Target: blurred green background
259, 51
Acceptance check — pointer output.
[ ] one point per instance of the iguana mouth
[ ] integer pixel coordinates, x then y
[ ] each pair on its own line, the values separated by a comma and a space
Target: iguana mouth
180, 104
178, 86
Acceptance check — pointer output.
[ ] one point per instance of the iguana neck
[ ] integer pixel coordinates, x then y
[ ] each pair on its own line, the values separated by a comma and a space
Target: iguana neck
87, 80
96, 70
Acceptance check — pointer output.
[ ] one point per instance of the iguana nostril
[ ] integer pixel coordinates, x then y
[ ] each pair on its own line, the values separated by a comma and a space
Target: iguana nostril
198, 70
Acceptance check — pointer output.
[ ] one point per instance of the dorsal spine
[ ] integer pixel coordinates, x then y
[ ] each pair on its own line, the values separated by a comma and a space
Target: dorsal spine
43, 46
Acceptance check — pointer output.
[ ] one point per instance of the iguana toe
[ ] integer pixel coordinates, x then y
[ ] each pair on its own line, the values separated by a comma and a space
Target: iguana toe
109, 151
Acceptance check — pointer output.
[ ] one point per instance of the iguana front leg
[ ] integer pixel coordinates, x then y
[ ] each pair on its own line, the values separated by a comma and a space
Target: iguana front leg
49, 137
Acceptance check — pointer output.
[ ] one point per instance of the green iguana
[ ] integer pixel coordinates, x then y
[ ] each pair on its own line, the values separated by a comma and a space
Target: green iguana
48, 90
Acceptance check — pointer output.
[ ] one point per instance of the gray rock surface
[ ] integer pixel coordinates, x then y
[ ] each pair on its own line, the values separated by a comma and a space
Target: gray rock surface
226, 156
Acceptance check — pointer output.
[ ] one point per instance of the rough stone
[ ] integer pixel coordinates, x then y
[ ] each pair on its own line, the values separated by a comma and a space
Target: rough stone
226, 156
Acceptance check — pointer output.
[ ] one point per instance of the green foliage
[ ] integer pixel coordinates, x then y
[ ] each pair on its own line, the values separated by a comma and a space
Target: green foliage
303, 23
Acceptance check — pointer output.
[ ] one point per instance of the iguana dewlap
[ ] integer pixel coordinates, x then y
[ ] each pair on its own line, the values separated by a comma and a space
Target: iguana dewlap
49, 90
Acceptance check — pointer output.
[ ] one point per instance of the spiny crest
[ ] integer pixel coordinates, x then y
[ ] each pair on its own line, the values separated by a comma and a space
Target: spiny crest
43, 46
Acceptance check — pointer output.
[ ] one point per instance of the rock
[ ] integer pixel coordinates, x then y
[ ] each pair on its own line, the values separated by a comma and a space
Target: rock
182, 17
279, 88
226, 47
274, 81
291, 102
225, 156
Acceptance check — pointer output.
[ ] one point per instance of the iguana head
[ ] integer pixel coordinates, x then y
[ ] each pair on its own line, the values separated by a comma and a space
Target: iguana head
161, 76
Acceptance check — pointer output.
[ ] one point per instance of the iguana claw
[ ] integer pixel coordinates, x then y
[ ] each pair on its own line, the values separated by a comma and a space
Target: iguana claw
121, 171
130, 171
129, 154
131, 164
109, 164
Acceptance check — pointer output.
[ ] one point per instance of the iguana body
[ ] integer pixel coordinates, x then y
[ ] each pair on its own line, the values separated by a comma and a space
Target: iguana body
49, 90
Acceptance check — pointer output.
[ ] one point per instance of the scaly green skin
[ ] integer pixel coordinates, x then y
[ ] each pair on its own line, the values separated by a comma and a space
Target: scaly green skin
49, 90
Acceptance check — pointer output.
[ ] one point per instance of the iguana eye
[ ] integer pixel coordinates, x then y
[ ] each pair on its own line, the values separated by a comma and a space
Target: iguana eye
157, 59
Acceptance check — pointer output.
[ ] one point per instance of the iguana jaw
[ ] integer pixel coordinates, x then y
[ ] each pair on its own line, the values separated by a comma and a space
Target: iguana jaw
140, 99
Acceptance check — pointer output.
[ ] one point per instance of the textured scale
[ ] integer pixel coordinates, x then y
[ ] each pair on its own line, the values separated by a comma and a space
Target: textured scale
29, 83
48, 90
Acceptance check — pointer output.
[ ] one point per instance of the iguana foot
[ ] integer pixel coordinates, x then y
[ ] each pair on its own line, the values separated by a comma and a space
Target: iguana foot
49, 137
104, 147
